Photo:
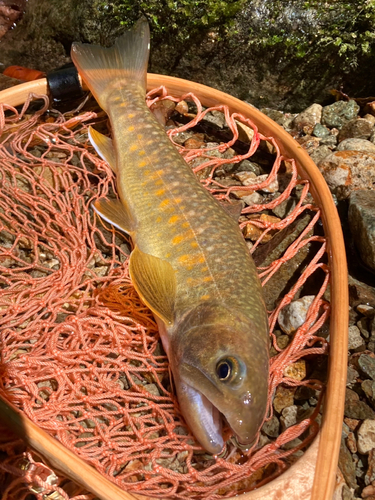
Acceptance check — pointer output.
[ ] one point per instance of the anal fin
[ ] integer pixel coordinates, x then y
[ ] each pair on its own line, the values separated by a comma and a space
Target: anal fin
114, 212
103, 145
155, 281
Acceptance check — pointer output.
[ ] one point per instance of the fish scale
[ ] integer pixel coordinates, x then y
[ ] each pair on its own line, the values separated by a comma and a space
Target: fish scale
190, 263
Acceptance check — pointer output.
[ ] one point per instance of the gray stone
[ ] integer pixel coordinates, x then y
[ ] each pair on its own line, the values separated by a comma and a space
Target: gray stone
330, 141
366, 437
320, 153
362, 224
285, 207
355, 339
320, 130
347, 171
358, 410
356, 145
277, 116
367, 365
368, 387
346, 465
339, 113
351, 376
360, 293
308, 118
272, 427
292, 316
359, 128
288, 417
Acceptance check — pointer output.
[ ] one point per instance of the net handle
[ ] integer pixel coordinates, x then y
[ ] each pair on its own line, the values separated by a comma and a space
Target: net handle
327, 459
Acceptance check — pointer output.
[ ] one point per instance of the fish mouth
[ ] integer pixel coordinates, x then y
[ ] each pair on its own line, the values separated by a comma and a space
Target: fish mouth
203, 418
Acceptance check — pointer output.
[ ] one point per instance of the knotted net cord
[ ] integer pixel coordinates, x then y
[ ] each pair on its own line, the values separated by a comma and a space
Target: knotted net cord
80, 353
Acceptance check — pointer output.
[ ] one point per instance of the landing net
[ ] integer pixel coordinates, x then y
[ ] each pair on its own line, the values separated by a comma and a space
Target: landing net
80, 353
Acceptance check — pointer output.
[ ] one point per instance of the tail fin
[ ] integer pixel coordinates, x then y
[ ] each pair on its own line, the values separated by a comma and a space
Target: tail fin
126, 59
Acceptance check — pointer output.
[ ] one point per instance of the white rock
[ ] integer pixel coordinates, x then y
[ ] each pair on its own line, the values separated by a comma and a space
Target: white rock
366, 437
288, 417
355, 339
292, 316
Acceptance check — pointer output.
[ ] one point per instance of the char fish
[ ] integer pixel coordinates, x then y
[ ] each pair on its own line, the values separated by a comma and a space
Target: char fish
190, 264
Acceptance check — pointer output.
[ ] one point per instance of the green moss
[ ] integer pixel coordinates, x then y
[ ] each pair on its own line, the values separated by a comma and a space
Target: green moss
340, 30
184, 19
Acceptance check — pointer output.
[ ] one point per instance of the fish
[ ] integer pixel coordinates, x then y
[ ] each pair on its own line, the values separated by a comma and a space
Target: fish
189, 264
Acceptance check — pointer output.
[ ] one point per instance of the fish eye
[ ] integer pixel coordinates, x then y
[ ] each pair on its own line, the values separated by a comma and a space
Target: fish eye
227, 369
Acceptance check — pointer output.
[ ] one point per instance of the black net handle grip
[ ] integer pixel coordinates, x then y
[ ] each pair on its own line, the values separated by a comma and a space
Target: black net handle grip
64, 84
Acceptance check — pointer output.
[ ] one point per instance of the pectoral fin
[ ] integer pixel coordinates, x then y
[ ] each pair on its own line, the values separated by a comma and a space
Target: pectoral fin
233, 209
155, 281
114, 212
104, 147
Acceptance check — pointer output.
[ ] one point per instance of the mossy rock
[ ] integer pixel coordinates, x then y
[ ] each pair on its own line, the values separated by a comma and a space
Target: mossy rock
284, 54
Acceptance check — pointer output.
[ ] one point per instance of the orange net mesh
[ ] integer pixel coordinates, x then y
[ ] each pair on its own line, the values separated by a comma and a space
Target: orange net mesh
80, 353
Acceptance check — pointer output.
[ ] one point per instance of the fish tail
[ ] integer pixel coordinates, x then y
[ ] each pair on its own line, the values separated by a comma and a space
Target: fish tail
126, 60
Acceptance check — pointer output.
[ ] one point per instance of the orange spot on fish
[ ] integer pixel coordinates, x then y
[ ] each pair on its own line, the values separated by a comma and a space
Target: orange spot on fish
141, 153
194, 244
186, 224
167, 255
164, 203
173, 219
205, 297
159, 182
159, 219
160, 192
142, 164
177, 239
160, 172
204, 269
133, 147
131, 128
139, 136
207, 279
131, 115
178, 200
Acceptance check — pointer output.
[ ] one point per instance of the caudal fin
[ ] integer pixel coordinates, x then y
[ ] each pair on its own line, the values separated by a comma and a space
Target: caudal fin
127, 60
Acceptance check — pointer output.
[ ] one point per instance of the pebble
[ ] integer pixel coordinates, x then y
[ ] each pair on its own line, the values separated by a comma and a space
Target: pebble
367, 365
355, 339
368, 387
296, 371
271, 427
358, 410
339, 113
366, 437
320, 153
359, 128
362, 224
250, 166
308, 118
288, 417
330, 141
356, 145
347, 171
320, 131
309, 143
292, 316
284, 397
347, 465
366, 310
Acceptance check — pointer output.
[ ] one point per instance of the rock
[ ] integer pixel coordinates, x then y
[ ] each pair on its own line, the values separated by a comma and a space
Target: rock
250, 199
347, 171
346, 465
355, 339
339, 113
320, 153
275, 115
10, 12
351, 376
249, 166
358, 410
367, 365
330, 141
292, 316
368, 387
249, 179
362, 224
368, 492
308, 118
356, 145
359, 128
360, 293
296, 371
271, 427
366, 437
288, 417
370, 119
320, 131
215, 117
370, 474
285, 207
366, 310
309, 143
351, 443
283, 398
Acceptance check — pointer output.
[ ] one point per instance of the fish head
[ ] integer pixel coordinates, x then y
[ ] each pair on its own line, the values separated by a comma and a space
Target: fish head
219, 360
